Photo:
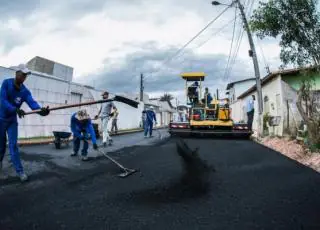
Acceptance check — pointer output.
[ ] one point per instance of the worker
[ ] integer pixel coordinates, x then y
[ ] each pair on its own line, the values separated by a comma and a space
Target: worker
13, 94
250, 112
114, 127
150, 116
106, 114
207, 97
82, 129
193, 92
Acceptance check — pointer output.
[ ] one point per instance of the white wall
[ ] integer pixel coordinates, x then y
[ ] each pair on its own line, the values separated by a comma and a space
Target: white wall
238, 89
48, 90
273, 90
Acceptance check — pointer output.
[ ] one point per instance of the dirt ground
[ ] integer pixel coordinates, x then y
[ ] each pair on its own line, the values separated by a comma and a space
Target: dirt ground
294, 150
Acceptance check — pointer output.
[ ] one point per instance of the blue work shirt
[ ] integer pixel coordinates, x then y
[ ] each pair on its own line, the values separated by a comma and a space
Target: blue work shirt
250, 105
150, 116
12, 99
77, 127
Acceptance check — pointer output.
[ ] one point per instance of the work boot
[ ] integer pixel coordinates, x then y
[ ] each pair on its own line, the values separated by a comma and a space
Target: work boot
23, 177
74, 154
84, 158
110, 142
3, 176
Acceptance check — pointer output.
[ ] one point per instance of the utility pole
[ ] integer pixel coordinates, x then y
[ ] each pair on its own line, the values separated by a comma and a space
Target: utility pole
141, 87
253, 54
217, 94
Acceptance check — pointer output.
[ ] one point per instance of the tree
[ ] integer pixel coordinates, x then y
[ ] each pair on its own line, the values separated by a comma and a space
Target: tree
298, 25
309, 108
166, 97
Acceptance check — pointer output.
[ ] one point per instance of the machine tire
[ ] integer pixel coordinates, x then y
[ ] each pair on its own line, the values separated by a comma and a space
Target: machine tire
58, 145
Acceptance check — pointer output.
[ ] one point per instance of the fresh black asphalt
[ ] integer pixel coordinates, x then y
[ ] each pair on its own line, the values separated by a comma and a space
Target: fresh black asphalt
251, 187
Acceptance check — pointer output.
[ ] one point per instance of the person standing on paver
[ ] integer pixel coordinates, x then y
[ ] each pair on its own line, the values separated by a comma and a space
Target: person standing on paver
106, 114
13, 94
150, 116
82, 129
114, 126
250, 112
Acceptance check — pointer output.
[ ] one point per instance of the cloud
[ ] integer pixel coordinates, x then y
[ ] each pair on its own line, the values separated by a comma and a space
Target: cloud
109, 43
123, 75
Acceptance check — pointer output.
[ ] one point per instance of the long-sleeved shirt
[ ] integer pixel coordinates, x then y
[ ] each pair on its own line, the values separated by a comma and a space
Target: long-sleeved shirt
12, 99
250, 105
77, 128
150, 116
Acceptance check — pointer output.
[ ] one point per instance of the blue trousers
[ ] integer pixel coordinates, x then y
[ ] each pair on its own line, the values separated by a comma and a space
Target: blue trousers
76, 146
148, 127
10, 128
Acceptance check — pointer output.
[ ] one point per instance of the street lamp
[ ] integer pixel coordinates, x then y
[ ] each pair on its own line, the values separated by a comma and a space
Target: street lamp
216, 3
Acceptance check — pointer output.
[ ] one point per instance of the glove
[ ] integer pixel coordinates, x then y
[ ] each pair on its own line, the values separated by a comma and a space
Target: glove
20, 113
95, 146
44, 111
96, 117
111, 114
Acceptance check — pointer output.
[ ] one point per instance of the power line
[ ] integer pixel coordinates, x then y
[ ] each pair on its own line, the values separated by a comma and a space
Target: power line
183, 47
233, 32
241, 33
216, 33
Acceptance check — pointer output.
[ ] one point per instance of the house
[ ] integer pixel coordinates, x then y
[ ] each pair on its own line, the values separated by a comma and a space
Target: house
56, 90
235, 89
166, 111
280, 94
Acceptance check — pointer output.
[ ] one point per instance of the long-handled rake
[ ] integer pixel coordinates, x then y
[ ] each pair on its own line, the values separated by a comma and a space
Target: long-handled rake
127, 171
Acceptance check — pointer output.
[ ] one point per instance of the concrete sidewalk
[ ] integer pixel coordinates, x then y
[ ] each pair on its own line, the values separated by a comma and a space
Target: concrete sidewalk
50, 140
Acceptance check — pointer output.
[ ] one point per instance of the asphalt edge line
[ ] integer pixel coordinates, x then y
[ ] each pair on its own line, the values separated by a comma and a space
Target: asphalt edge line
281, 154
46, 142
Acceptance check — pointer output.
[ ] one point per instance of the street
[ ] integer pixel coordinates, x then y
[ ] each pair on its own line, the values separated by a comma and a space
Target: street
251, 187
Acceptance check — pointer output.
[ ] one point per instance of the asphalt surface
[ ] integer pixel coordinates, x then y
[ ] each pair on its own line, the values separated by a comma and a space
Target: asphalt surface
250, 187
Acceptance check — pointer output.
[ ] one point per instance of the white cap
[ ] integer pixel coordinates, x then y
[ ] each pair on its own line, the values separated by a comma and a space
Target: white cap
23, 68
151, 107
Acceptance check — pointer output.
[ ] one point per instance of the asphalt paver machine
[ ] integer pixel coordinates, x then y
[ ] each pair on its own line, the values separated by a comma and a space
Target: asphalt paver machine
212, 117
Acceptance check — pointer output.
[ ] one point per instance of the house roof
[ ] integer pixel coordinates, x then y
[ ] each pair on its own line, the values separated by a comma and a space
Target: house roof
235, 82
273, 75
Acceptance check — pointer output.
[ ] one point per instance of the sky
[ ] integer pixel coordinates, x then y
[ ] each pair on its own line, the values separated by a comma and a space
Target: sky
110, 42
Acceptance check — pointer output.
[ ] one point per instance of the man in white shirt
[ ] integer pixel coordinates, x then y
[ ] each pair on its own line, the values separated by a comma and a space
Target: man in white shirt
105, 116
250, 111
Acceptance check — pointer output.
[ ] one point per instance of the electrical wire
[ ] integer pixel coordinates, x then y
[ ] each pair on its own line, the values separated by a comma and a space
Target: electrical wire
233, 32
184, 46
212, 35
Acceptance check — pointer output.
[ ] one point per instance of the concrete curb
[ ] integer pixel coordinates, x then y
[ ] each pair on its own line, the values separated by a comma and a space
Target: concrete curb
50, 141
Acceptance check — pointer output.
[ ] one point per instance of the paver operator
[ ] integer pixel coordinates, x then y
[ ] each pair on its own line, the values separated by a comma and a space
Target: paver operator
82, 129
13, 94
149, 117
106, 114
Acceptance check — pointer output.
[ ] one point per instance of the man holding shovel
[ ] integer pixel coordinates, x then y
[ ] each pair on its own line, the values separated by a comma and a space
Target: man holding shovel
13, 94
82, 129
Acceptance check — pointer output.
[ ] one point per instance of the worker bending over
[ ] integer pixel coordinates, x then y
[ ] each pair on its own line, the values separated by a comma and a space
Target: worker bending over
149, 117
82, 129
106, 114
13, 94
